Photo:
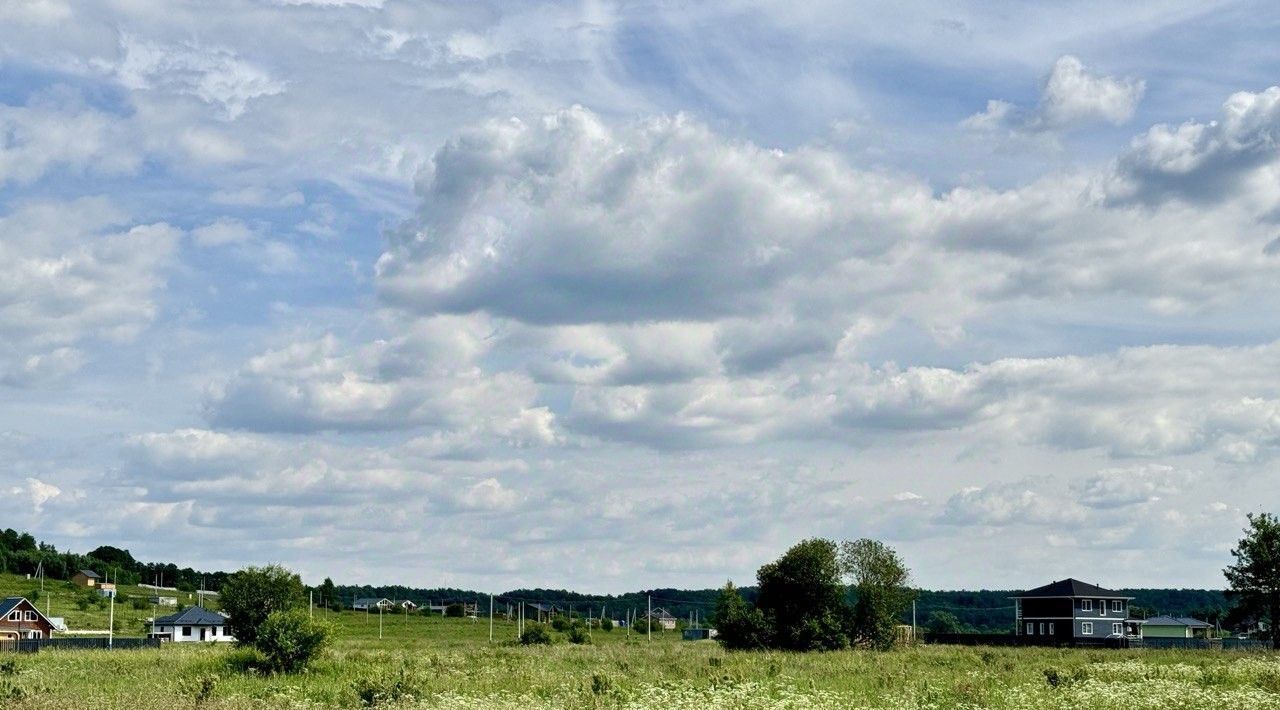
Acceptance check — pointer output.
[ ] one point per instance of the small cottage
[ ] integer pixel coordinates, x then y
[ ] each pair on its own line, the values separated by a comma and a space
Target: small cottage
85, 578
1175, 627
371, 604
191, 625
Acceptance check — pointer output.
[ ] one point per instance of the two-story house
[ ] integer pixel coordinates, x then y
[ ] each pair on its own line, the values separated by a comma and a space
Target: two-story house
1071, 611
20, 619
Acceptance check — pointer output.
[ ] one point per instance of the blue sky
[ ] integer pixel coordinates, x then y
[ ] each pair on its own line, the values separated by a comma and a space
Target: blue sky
611, 295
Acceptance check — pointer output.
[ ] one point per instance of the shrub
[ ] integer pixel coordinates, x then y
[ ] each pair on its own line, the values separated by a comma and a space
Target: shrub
455, 610
577, 634
535, 635
138, 603
606, 624
290, 640
391, 688
560, 624
738, 625
253, 593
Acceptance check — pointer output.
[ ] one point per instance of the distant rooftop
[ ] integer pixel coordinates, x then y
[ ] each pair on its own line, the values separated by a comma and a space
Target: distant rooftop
1166, 620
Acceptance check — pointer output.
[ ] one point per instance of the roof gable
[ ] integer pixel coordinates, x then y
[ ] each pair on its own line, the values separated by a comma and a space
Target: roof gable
8, 604
1070, 587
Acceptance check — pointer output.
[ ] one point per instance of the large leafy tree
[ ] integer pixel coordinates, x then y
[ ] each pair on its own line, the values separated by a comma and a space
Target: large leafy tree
739, 625
252, 594
1255, 576
883, 586
802, 598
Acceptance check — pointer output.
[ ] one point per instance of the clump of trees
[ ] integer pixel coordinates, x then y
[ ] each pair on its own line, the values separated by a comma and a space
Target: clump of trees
819, 595
265, 605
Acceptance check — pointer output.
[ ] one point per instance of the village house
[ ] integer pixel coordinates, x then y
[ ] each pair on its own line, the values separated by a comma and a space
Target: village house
20, 619
1175, 627
1070, 611
371, 604
85, 578
663, 619
107, 590
191, 625
407, 605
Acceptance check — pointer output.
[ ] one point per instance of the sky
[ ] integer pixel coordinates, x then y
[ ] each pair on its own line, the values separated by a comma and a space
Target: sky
620, 295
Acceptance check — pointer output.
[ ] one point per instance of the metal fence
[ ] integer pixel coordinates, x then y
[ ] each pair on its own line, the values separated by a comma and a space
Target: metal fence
1228, 644
95, 643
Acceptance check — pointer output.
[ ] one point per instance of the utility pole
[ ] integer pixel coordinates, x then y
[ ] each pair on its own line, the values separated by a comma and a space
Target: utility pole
648, 620
490, 618
913, 621
379, 621
111, 623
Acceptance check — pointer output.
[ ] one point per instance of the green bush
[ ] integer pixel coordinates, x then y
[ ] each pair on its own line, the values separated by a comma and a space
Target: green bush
606, 624
535, 635
560, 624
138, 603
290, 640
578, 634
455, 610
252, 594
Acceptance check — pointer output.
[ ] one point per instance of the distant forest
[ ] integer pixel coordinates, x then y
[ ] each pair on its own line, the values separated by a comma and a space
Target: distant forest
985, 611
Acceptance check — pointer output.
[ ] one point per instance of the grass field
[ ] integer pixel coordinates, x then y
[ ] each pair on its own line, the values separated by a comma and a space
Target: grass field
431, 662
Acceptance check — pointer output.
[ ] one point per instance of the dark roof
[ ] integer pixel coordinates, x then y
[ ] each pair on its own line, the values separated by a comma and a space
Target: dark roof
371, 600
89, 573
193, 616
1070, 588
1166, 620
9, 603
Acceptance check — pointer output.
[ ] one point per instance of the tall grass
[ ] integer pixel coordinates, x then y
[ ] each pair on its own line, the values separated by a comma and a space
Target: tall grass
449, 663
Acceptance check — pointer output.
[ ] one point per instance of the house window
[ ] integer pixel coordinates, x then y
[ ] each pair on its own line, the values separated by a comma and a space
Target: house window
1051, 628
1031, 629
1086, 605
1042, 628
1117, 605
1086, 628
15, 616
30, 616
186, 631
1116, 629
1102, 607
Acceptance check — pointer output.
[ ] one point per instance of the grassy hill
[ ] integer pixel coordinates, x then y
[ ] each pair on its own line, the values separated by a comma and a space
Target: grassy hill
60, 598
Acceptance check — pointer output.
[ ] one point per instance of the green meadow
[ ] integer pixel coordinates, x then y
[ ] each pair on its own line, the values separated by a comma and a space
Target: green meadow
432, 662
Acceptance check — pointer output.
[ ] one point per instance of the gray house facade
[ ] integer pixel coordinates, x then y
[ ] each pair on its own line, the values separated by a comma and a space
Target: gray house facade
1072, 612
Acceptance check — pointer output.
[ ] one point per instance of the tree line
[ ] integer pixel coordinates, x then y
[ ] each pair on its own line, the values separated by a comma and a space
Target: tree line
21, 553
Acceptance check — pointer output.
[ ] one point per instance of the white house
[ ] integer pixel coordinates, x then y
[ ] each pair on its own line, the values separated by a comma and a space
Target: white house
371, 604
192, 624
